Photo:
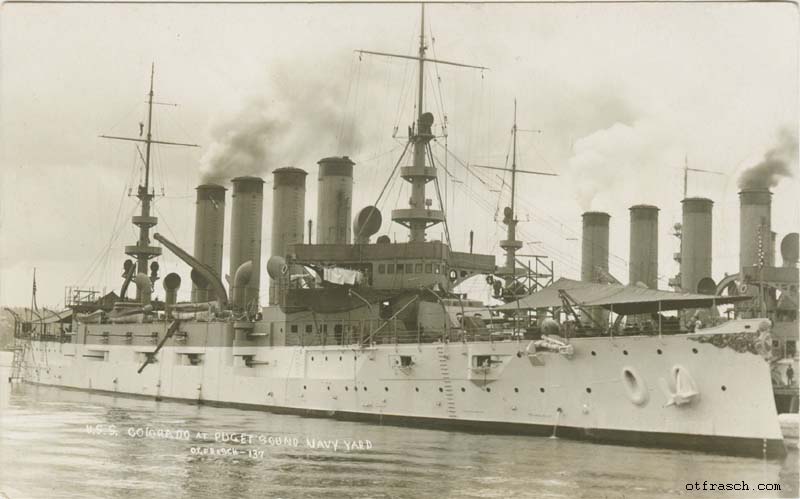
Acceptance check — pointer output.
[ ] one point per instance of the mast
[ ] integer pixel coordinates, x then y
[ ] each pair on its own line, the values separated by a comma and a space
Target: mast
143, 251
417, 217
511, 245
420, 215
686, 171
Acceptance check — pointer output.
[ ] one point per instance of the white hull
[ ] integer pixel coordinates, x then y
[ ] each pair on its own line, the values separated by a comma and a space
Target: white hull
585, 395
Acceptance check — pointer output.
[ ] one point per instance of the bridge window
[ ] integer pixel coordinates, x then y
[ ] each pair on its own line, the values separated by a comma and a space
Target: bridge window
309, 328
409, 268
437, 269
429, 268
381, 268
400, 268
418, 268
390, 268
293, 328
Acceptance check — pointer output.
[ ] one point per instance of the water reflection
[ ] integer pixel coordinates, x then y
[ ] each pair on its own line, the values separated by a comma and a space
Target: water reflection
45, 452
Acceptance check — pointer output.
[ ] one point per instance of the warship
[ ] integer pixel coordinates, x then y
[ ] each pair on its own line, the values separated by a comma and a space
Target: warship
374, 330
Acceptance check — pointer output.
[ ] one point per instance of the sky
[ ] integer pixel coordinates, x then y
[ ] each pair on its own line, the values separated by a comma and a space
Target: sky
614, 98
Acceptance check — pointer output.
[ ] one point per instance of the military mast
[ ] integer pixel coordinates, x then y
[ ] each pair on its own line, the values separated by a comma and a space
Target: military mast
420, 215
143, 251
510, 244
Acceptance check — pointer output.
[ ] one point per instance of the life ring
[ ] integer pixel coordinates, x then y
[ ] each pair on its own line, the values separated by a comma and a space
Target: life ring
635, 386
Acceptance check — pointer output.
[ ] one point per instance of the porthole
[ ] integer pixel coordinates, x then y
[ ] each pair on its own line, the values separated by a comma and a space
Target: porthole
541, 389
326, 358
724, 388
659, 352
355, 388
516, 390
346, 389
386, 388
312, 358
304, 387
365, 388
340, 358
329, 388
441, 389
463, 389
416, 389
488, 389
694, 350
588, 390
624, 352
594, 354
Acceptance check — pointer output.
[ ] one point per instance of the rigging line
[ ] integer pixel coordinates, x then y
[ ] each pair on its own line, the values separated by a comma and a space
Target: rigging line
115, 228
401, 99
439, 196
103, 254
340, 132
377, 156
130, 111
379, 144
488, 183
484, 206
438, 80
393, 172
355, 106
477, 197
174, 119
172, 232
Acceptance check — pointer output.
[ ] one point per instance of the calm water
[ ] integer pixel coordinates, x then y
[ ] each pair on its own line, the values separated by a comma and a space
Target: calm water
46, 452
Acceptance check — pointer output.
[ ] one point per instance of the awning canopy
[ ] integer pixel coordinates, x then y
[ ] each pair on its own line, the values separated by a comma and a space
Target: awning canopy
623, 300
63, 316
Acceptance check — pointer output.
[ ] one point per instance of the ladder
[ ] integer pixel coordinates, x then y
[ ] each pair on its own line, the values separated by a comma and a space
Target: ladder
448, 384
20, 348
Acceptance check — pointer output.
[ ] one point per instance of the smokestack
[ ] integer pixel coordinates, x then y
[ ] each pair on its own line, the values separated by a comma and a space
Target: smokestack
755, 227
288, 217
246, 214
334, 200
696, 245
594, 254
643, 256
209, 230
594, 246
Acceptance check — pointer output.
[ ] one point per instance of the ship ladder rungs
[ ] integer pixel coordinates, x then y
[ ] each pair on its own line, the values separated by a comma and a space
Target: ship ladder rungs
17, 361
448, 387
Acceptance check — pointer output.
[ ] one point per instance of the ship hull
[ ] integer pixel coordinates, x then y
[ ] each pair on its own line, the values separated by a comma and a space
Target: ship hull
585, 395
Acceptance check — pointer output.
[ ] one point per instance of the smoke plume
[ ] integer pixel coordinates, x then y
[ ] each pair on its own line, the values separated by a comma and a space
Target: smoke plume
778, 162
622, 164
296, 121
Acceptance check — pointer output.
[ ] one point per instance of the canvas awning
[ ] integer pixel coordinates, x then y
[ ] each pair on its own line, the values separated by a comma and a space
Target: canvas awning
623, 300
63, 316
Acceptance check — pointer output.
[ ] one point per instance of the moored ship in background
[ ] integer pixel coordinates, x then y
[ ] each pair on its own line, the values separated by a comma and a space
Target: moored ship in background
376, 331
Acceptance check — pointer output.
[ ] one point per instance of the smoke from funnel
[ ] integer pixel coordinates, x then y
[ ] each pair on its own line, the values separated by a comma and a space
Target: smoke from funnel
297, 120
778, 162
